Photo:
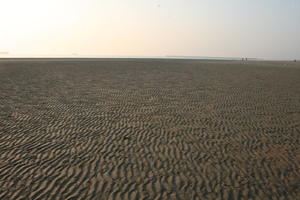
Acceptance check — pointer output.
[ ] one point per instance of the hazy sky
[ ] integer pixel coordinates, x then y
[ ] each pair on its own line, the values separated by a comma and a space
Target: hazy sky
232, 28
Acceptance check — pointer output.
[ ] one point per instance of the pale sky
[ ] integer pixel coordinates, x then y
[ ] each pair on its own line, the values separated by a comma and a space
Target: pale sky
268, 29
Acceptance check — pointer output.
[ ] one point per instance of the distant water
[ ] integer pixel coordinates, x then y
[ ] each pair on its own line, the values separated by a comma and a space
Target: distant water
208, 58
78, 56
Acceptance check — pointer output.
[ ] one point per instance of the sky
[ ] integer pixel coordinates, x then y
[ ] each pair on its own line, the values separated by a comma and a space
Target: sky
267, 29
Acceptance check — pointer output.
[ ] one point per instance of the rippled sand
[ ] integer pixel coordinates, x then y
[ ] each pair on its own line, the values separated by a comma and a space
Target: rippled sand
149, 129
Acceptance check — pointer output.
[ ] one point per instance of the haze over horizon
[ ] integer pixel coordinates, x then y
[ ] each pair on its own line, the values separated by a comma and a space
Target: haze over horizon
267, 29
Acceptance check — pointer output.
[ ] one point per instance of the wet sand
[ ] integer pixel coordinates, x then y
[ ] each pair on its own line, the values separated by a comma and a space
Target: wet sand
149, 129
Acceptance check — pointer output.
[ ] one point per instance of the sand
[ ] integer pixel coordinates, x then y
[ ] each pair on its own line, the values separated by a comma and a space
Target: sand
149, 129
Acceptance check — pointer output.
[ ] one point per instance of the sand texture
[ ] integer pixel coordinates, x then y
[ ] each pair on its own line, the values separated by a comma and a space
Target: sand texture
149, 129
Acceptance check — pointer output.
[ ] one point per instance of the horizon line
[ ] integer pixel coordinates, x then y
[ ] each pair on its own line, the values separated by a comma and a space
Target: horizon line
78, 56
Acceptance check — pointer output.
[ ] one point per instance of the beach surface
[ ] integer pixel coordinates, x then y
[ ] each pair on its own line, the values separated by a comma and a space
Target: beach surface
149, 129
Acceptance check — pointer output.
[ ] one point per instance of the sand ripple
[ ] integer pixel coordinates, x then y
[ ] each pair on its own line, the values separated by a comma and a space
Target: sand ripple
149, 129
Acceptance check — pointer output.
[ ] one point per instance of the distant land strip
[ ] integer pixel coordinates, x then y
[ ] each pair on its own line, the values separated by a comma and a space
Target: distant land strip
210, 58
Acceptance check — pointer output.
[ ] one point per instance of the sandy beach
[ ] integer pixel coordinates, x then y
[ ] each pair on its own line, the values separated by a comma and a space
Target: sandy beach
149, 129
